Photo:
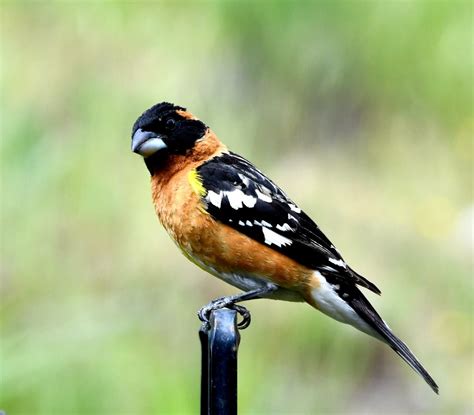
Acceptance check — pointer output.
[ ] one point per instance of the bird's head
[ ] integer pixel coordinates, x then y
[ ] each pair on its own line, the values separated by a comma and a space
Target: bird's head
165, 130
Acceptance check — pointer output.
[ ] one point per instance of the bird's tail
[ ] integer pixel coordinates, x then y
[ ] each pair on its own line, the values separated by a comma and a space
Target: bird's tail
365, 310
346, 303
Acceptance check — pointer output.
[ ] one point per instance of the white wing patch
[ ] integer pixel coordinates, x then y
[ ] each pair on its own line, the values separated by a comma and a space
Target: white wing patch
294, 208
245, 179
263, 197
284, 227
215, 198
266, 224
237, 199
328, 268
273, 238
339, 262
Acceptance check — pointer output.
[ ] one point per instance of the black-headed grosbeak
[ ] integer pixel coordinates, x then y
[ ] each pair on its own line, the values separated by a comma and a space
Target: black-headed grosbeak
232, 221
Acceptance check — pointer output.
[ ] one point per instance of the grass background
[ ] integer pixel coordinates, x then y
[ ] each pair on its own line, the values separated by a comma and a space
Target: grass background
361, 110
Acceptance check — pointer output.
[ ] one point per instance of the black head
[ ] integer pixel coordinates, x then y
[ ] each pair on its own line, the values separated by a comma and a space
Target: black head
165, 129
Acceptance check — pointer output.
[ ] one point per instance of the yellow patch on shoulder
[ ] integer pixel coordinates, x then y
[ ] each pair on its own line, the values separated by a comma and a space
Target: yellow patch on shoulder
196, 183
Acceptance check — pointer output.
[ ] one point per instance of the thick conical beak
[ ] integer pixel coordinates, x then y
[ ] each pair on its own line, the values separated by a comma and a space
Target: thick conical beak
147, 143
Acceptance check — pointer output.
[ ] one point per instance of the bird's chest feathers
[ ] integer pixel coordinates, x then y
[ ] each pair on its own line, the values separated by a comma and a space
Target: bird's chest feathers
178, 207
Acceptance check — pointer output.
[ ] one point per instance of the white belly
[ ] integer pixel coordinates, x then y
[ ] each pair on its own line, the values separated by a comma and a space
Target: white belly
249, 282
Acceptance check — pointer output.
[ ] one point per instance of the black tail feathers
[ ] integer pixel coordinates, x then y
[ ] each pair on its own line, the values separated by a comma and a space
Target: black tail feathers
405, 353
365, 310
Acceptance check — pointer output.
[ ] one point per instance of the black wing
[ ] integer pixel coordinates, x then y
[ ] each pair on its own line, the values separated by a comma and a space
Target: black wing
242, 197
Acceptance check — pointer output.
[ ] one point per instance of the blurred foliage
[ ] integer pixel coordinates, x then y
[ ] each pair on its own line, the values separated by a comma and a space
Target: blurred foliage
362, 111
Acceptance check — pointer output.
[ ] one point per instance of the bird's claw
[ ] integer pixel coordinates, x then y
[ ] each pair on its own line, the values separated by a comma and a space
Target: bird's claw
205, 312
245, 314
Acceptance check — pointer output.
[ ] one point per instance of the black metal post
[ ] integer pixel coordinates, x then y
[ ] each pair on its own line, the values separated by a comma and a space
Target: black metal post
220, 340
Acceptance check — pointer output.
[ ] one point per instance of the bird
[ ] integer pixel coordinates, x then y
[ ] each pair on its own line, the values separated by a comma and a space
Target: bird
232, 221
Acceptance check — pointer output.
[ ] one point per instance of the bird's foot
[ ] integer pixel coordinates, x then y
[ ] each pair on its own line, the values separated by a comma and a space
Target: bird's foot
225, 302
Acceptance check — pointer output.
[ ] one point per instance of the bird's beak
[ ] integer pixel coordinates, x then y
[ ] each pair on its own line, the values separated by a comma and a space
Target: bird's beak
147, 143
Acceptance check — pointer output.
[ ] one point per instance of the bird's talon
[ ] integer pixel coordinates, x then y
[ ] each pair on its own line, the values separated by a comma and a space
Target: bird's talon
205, 312
245, 314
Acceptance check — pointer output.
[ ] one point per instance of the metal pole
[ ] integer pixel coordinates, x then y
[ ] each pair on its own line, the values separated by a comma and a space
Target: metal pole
220, 340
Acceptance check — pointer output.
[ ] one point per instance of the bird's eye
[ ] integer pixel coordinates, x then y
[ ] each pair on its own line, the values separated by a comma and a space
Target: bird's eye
170, 123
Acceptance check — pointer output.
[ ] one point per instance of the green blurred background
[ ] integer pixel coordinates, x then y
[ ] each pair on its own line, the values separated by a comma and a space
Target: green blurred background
361, 111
